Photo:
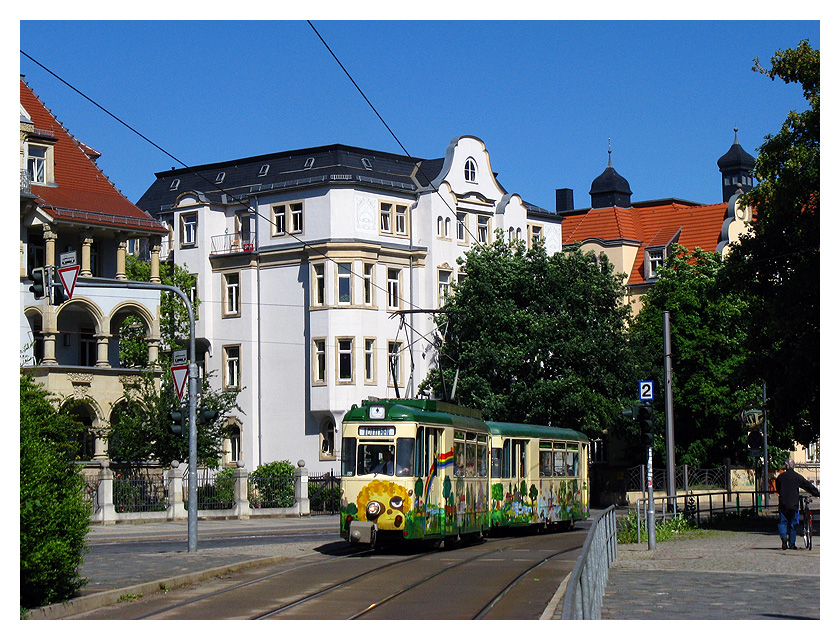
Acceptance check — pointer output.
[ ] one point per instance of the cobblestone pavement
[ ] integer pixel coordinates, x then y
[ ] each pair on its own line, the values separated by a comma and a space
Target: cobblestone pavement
714, 575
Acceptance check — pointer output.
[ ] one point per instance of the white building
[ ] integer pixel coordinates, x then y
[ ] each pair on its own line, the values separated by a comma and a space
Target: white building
303, 259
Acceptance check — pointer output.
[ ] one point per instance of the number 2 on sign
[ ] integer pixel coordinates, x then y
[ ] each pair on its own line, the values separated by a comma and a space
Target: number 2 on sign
645, 390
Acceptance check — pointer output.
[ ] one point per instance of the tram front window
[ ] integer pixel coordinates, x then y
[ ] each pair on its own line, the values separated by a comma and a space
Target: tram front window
348, 457
376, 458
405, 456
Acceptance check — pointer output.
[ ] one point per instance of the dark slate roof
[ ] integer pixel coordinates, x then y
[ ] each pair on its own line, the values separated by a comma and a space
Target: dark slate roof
736, 157
610, 182
287, 170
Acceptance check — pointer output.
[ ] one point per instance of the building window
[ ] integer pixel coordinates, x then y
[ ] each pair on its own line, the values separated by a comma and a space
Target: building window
440, 226
319, 361
189, 228
400, 221
288, 218
393, 218
327, 437
345, 359
655, 259
231, 364
385, 217
318, 285
87, 347
220, 177
175, 184
394, 288
193, 293
345, 283
310, 162
230, 294
483, 229
368, 280
370, 360
366, 164
263, 171
536, 234
36, 164
470, 170
394, 363
444, 283
461, 227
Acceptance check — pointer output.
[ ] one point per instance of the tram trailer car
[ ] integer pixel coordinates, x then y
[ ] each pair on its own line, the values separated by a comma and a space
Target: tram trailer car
429, 470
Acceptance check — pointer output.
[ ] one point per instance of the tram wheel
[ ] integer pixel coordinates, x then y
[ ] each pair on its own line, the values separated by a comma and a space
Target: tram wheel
450, 542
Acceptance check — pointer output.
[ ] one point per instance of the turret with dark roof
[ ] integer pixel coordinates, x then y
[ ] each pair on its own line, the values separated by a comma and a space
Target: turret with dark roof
736, 167
610, 189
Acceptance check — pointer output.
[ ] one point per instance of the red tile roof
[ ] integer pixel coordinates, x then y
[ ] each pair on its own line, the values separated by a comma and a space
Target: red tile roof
82, 192
654, 226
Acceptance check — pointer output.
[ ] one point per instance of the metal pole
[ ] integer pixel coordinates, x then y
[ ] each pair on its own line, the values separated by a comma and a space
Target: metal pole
651, 514
192, 510
669, 408
764, 421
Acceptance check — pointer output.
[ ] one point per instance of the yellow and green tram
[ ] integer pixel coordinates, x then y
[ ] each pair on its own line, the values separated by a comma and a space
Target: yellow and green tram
428, 470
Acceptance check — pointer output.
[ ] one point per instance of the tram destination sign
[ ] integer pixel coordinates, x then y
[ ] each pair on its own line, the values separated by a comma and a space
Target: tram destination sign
377, 431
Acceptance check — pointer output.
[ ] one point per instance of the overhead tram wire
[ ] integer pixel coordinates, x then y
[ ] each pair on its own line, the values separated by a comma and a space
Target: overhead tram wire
244, 203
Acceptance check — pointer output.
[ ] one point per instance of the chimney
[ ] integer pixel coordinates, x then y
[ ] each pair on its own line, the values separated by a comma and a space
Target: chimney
565, 200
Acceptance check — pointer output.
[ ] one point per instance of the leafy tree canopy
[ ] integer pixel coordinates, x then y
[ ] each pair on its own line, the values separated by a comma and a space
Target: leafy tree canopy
777, 267
535, 338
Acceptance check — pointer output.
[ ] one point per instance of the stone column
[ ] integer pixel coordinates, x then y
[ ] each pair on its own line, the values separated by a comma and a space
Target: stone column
302, 489
102, 350
175, 509
122, 246
87, 245
154, 350
50, 238
106, 514
241, 506
49, 348
154, 249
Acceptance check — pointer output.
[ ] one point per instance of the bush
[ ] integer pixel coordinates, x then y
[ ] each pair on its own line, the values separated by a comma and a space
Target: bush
665, 529
272, 485
54, 515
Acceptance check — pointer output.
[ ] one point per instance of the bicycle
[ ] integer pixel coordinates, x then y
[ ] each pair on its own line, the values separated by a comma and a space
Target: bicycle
807, 518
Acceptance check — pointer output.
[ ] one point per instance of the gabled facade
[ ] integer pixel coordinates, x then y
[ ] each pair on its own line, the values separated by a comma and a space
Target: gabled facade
637, 237
316, 271
70, 210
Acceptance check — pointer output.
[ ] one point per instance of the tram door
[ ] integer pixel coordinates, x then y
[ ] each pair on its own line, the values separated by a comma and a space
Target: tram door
434, 500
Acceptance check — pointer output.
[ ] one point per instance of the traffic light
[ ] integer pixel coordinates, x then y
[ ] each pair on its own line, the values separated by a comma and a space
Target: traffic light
631, 412
178, 418
58, 294
39, 283
206, 416
644, 415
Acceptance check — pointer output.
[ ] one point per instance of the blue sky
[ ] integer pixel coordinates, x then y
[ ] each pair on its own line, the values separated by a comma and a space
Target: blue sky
544, 96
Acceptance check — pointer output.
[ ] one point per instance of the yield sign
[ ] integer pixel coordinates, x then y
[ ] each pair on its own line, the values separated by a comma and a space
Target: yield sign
68, 277
179, 377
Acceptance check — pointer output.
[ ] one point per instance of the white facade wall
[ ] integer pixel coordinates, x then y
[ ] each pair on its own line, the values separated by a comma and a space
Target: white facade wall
284, 407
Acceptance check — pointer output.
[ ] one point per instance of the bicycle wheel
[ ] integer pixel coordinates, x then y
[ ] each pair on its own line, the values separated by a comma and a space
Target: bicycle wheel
808, 534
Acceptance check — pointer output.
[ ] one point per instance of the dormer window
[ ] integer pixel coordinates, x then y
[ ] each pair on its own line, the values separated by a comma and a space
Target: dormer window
36, 164
654, 259
470, 170
220, 177
366, 164
309, 162
263, 171
174, 184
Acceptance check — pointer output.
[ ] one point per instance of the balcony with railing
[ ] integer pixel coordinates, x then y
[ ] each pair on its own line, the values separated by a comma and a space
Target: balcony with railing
232, 243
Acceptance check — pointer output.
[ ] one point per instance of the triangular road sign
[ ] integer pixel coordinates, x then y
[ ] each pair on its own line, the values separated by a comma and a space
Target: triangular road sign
179, 377
68, 277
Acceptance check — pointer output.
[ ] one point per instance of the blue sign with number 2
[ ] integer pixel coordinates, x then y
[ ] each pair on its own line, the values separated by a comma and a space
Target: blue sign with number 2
645, 390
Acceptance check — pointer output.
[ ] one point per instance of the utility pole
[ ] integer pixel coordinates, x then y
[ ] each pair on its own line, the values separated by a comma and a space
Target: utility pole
764, 424
192, 507
669, 412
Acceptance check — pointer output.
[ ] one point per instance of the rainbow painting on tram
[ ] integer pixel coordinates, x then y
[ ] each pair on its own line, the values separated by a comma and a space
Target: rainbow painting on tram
429, 470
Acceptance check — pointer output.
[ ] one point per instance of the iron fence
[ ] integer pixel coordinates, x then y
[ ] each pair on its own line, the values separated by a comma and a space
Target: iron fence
135, 493
588, 580
685, 478
214, 489
271, 492
324, 493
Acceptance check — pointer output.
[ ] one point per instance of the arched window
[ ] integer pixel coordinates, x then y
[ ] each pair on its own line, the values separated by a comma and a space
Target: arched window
470, 170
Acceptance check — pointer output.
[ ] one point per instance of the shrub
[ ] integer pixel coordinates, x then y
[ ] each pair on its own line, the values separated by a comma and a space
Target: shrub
665, 529
54, 515
272, 485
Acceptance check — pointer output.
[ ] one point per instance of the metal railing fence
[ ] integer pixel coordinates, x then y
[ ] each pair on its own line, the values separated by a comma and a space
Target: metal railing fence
214, 488
271, 492
685, 477
139, 493
588, 580
324, 493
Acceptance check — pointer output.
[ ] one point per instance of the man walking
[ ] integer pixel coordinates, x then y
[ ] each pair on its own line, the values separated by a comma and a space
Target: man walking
787, 486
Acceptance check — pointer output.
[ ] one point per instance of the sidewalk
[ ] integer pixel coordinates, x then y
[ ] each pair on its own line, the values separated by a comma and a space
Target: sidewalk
716, 575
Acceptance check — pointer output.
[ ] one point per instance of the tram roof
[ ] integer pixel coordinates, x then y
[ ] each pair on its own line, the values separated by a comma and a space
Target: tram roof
535, 431
415, 410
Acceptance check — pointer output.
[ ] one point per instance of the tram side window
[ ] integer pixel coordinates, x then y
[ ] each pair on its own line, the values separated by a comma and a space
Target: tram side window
376, 458
481, 448
495, 462
545, 460
348, 457
460, 453
520, 455
506, 459
405, 457
471, 455
572, 462
559, 461
419, 453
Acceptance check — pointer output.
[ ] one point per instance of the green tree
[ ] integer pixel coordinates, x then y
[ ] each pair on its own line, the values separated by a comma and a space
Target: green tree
174, 318
54, 516
140, 432
778, 266
535, 338
708, 350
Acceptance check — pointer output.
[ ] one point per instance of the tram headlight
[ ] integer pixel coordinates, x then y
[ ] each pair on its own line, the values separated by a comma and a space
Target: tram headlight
374, 510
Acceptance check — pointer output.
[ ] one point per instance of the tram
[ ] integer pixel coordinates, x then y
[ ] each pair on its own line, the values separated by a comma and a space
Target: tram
430, 470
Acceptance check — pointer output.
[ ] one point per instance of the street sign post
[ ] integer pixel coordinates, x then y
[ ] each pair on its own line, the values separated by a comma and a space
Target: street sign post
179, 377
